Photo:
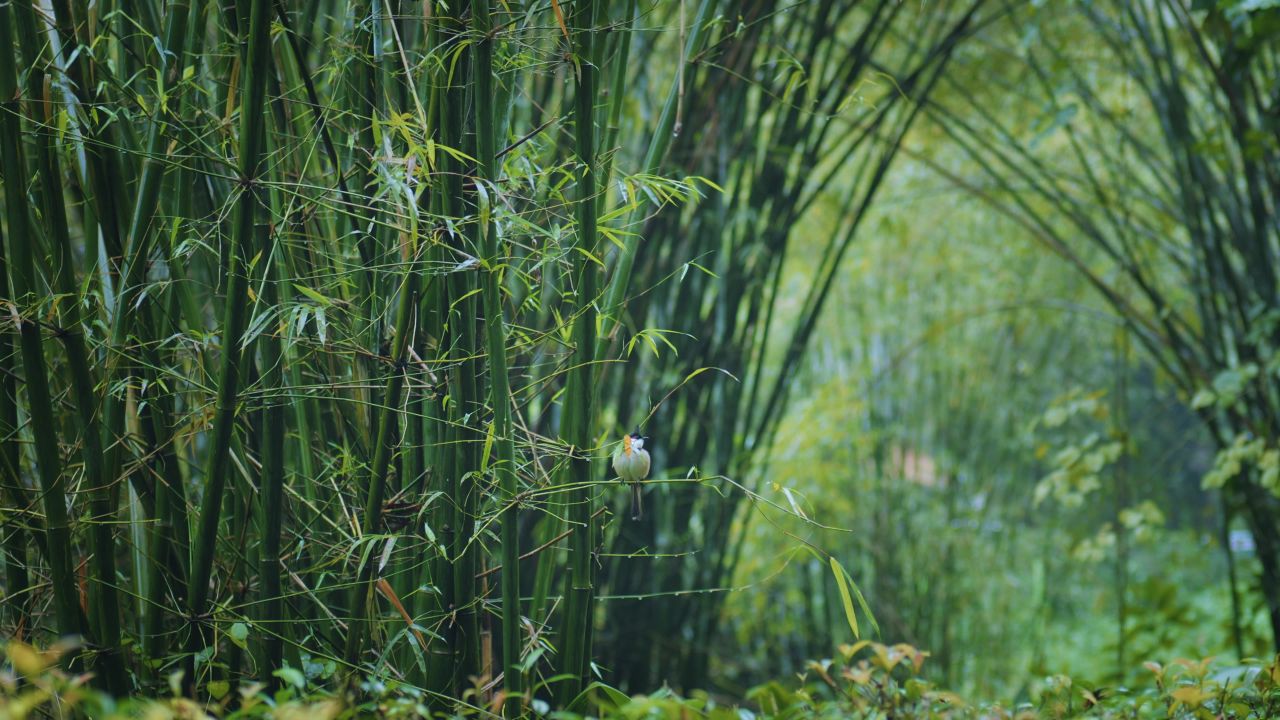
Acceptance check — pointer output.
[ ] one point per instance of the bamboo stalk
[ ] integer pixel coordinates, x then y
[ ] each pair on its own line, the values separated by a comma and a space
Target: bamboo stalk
659, 143
169, 545
384, 450
139, 230
17, 580
438, 450
252, 128
458, 308
504, 466
105, 609
387, 414
272, 626
579, 414
39, 402
106, 187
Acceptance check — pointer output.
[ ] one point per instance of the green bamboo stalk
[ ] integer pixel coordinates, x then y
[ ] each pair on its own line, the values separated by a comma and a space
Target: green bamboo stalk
363, 93
170, 532
102, 144
40, 404
380, 468
579, 411
620, 277
272, 451
168, 536
458, 308
106, 608
17, 579
296, 259
504, 467
617, 96
439, 450
309, 259
459, 442
385, 416
271, 624
364, 99
252, 141
239, 548
138, 242
439, 574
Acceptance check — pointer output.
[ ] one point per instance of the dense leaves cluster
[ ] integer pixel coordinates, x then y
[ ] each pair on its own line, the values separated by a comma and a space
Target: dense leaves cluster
865, 680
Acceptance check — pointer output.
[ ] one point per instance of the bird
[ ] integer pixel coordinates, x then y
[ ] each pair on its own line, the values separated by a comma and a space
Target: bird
631, 462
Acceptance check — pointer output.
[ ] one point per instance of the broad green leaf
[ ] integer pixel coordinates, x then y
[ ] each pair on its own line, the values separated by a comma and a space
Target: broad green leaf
239, 634
291, 677
218, 689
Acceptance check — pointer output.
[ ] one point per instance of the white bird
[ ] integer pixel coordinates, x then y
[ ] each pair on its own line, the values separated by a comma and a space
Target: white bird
631, 462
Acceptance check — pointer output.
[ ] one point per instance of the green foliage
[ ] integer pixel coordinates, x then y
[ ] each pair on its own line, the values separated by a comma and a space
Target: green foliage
319, 320
32, 685
1245, 453
1148, 173
864, 680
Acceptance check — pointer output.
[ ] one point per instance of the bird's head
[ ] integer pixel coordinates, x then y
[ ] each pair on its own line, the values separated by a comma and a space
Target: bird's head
635, 441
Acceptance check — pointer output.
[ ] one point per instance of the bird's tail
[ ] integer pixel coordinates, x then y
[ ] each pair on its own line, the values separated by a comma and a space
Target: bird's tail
637, 502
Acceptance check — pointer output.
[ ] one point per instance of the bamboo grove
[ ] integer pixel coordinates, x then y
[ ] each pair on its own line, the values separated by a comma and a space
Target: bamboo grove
1174, 173
322, 318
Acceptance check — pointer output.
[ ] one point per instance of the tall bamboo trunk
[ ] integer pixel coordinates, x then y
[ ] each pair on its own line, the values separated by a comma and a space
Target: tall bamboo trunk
504, 462
255, 63
579, 414
25, 294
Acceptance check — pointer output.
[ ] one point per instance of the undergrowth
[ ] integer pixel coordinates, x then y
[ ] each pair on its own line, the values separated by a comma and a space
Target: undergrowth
864, 680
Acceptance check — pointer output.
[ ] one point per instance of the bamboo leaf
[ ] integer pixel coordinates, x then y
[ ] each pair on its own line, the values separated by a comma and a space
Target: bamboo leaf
842, 585
320, 299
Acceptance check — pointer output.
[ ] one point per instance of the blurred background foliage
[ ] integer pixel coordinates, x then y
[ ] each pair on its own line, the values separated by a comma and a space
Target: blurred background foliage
1020, 487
